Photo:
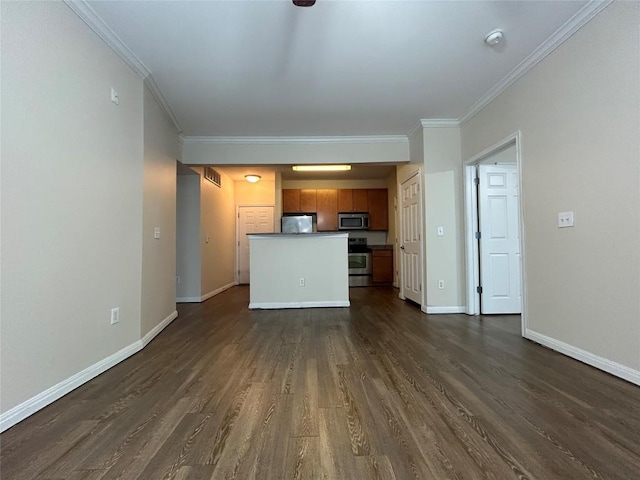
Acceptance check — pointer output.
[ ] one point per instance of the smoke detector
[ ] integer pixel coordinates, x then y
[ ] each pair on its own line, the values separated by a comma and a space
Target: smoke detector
493, 38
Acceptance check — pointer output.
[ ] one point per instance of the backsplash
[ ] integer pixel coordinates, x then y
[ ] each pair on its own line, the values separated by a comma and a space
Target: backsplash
373, 238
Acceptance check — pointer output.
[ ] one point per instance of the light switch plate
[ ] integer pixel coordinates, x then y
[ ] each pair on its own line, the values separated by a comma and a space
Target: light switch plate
565, 219
156, 233
440, 231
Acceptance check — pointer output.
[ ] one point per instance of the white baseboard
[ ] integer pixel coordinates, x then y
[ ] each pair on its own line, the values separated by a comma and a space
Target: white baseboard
188, 299
217, 291
158, 328
18, 413
448, 309
206, 296
609, 366
272, 305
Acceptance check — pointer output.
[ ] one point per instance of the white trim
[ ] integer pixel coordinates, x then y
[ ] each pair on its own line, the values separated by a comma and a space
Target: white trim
91, 18
439, 122
271, 305
153, 333
150, 82
294, 140
609, 366
50, 395
88, 15
188, 299
471, 225
471, 246
571, 26
217, 291
415, 129
449, 309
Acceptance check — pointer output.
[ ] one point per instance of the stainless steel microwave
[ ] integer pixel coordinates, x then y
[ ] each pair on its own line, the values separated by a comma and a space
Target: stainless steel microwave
353, 221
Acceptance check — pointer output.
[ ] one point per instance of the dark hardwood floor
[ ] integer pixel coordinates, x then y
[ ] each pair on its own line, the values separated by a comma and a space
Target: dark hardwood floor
376, 391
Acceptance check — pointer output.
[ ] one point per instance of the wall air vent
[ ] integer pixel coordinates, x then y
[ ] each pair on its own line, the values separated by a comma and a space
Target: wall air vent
213, 176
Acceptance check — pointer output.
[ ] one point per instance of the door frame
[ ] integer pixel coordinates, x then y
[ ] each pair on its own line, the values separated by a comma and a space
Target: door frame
400, 181
472, 252
238, 207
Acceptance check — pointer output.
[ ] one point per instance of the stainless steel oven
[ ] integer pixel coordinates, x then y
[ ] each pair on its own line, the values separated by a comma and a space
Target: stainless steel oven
360, 263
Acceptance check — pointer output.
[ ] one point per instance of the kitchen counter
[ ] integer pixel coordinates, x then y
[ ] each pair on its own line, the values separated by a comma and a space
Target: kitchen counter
380, 247
298, 270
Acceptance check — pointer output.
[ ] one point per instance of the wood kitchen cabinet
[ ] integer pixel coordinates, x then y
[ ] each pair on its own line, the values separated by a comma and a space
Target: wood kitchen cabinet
327, 209
353, 200
291, 200
295, 200
382, 266
378, 209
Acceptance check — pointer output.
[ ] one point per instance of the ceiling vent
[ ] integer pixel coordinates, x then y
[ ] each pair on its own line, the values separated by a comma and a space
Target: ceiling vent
213, 176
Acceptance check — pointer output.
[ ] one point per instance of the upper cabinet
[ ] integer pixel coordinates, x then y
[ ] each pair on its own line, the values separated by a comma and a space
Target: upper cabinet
378, 209
296, 200
328, 202
353, 200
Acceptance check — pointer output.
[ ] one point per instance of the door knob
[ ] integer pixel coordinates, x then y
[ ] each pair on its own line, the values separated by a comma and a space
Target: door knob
402, 247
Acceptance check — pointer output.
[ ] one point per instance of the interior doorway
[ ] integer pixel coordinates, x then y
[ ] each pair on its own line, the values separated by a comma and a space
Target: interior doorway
250, 219
494, 230
410, 239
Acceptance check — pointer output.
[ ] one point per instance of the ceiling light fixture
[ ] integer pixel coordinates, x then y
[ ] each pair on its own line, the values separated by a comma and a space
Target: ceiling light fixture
252, 178
304, 3
320, 168
493, 38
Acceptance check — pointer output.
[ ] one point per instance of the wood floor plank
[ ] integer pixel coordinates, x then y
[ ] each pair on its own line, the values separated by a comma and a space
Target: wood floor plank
375, 391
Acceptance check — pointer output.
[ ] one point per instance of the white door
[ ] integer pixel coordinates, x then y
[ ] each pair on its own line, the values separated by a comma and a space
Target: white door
251, 220
410, 228
499, 239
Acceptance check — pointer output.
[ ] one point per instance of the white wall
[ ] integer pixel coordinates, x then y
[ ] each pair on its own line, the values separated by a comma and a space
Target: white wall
288, 153
279, 261
578, 114
188, 237
71, 191
444, 207
161, 149
218, 222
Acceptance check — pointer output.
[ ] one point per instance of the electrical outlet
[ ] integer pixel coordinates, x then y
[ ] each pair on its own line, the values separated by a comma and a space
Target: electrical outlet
441, 284
115, 315
301, 282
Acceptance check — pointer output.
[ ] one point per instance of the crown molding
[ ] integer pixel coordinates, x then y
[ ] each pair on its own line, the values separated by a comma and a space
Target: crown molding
91, 18
100, 28
294, 140
150, 82
433, 123
439, 123
571, 26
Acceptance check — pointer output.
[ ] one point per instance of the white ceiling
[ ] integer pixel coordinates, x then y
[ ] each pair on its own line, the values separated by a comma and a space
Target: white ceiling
339, 68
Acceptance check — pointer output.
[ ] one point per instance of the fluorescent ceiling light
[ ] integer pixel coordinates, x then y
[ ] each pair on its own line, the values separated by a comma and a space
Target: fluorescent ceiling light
252, 178
321, 168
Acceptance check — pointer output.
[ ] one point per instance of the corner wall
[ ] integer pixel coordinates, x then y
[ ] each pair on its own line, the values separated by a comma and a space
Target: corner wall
161, 150
217, 235
444, 207
578, 114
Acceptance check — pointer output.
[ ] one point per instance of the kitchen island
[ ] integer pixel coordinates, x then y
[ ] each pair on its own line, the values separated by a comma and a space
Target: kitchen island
298, 270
